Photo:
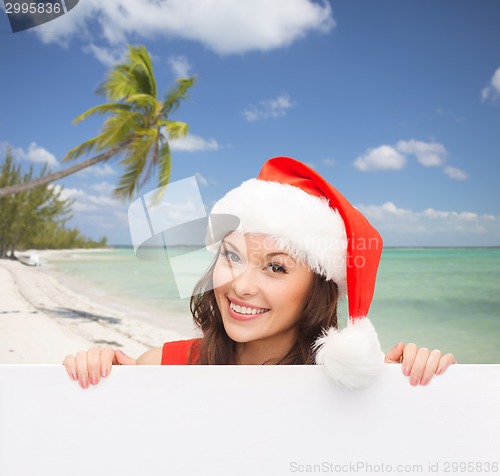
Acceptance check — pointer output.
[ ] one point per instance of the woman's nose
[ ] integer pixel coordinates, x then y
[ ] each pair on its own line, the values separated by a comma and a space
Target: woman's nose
245, 281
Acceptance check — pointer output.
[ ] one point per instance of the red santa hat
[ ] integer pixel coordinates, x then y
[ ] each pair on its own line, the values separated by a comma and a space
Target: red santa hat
314, 222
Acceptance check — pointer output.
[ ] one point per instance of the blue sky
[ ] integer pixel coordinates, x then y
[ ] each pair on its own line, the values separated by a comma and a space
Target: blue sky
396, 103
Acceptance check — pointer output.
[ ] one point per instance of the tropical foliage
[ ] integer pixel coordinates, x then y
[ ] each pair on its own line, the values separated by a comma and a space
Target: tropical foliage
35, 218
137, 128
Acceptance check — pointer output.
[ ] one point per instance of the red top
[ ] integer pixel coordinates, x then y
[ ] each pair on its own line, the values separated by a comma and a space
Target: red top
177, 352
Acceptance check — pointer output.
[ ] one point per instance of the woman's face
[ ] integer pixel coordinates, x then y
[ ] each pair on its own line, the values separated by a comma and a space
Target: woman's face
260, 291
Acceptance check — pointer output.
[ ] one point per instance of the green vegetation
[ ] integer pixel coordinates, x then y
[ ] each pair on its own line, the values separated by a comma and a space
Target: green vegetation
137, 128
35, 218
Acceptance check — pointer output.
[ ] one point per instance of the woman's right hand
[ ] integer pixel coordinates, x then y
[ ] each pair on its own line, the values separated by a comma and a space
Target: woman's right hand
88, 367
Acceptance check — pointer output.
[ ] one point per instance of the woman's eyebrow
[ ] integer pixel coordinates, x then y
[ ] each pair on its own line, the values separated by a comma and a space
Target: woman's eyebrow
276, 253
225, 242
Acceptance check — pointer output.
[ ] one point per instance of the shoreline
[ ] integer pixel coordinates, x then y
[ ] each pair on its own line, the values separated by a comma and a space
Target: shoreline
169, 319
42, 318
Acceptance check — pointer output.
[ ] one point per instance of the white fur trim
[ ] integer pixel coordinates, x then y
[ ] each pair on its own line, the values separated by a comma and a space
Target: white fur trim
352, 356
300, 223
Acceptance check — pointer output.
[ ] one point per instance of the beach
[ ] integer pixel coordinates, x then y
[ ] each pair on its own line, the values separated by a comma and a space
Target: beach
42, 319
443, 298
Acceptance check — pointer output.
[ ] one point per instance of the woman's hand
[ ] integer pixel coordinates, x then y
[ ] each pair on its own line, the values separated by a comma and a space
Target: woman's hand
420, 364
88, 367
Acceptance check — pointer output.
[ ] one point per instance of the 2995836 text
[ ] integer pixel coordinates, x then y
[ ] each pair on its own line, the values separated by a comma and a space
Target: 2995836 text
38, 8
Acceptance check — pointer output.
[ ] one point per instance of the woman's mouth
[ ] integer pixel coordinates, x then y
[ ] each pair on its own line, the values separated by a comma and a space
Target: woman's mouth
244, 313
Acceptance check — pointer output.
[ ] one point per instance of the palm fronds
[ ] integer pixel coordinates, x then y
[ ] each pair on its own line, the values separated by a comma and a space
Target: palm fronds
138, 124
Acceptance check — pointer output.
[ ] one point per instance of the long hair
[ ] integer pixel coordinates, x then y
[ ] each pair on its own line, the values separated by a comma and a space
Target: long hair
217, 348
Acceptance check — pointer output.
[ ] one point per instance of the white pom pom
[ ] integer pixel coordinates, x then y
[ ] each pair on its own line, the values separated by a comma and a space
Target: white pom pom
352, 356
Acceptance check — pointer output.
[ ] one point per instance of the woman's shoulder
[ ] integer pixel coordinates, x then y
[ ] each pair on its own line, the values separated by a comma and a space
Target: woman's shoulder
151, 357
180, 352
170, 353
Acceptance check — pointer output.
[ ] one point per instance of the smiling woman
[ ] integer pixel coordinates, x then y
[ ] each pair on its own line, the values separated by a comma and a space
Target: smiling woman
271, 294
261, 294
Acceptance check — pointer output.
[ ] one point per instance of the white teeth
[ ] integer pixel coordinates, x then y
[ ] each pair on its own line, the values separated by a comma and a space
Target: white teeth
245, 310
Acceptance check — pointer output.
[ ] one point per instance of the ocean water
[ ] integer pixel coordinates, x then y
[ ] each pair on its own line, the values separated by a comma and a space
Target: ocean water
445, 298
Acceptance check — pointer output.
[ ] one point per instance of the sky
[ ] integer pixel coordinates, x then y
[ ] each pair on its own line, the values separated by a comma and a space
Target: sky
396, 104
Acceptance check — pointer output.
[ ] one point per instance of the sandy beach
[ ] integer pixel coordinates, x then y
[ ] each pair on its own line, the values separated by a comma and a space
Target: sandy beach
42, 320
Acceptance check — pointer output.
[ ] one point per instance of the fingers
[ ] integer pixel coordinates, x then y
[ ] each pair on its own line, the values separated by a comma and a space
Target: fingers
88, 367
421, 364
430, 361
123, 359
395, 354
107, 360
70, 365
409, 355
418, 367
445, 361
94, 365
82, 369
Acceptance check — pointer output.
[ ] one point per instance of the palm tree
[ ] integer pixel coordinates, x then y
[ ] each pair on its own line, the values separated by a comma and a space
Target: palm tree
137, 128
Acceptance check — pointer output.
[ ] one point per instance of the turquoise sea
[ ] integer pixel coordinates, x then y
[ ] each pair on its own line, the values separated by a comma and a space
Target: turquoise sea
446, 298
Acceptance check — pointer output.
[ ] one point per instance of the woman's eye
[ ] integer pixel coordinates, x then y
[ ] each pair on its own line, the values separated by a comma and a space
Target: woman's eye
231, 256
277, 268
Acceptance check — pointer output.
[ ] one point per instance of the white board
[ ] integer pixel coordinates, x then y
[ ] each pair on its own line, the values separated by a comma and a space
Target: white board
269, 420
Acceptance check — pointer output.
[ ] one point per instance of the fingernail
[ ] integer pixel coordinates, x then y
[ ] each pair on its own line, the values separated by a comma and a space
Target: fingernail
413, 381
406, 371
94, 380
104, 372
74, 376
84, 383
424, 381
439, 370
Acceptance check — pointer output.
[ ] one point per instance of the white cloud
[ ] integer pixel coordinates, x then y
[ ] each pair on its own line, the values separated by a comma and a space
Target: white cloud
455, 173
87, 201
492, 91
103, 188
192, 143
450, 114
400, 226
103, 170
429, 154
180, 66
462, 216
97, 214
36, 154
384, 157
269, 109
224, 26
69, 192
107, 56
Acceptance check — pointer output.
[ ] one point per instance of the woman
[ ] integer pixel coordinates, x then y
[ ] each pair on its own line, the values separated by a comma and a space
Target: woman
271, 294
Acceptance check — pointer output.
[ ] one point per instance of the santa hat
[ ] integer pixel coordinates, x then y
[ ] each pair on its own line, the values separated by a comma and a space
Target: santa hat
313, 221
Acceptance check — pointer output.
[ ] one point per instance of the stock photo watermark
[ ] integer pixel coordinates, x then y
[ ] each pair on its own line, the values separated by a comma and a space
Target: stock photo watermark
27, 14
381, 467
171, 224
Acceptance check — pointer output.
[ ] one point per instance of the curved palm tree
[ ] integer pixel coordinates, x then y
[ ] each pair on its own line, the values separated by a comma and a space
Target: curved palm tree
137, 128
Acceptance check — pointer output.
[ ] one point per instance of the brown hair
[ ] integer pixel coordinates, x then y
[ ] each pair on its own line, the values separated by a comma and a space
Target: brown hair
217, 348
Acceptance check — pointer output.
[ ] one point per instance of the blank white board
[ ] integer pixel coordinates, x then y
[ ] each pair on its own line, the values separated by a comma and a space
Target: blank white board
238, 420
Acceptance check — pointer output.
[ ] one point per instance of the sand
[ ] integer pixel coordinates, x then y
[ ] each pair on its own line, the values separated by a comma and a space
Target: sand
42, 320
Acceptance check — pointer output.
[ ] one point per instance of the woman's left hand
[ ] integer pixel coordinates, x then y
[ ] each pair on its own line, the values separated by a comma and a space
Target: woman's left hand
420, 364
